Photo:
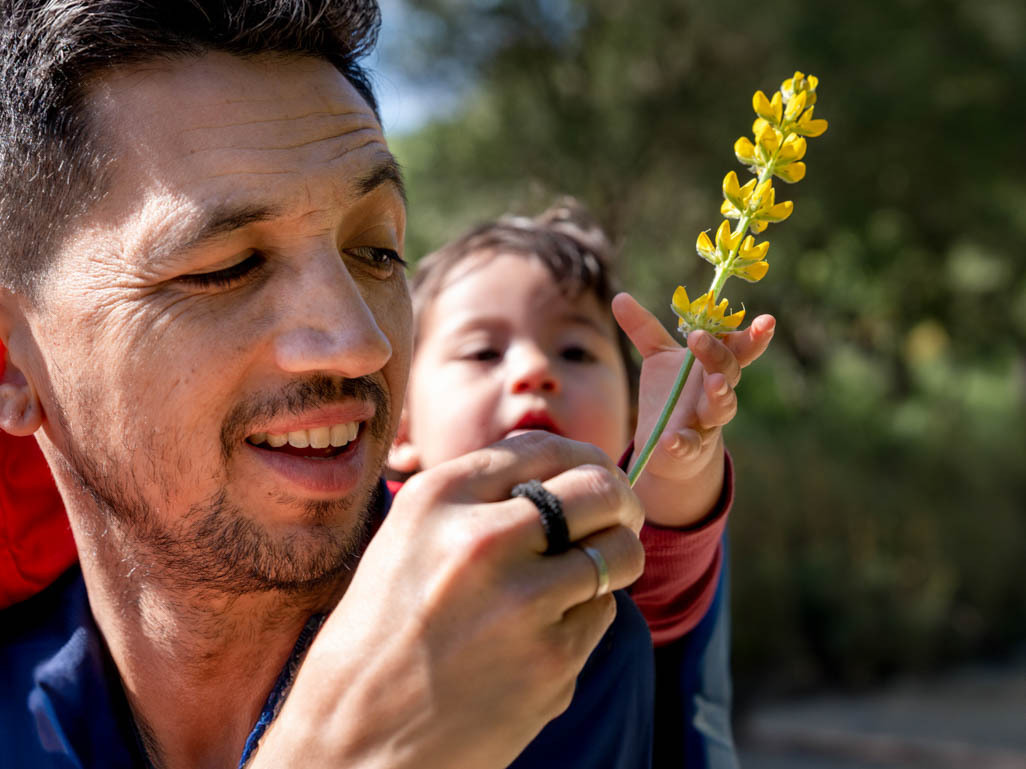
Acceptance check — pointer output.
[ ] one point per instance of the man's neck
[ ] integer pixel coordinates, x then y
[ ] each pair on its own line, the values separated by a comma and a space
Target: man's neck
196, 666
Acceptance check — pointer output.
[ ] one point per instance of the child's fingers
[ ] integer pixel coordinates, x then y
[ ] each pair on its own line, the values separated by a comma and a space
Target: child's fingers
641, 327
718, 404
715, 356
749, 344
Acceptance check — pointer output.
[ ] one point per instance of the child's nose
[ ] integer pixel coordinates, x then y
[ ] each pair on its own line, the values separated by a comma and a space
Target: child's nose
533, 372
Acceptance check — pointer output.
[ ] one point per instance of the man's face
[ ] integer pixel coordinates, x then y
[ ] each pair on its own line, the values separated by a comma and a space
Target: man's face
237, 289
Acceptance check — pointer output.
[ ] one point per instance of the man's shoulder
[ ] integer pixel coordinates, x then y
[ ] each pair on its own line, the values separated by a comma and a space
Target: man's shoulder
44, 619
32, 632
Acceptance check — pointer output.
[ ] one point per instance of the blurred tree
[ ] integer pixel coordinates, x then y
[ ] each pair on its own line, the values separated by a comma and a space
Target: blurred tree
880, 522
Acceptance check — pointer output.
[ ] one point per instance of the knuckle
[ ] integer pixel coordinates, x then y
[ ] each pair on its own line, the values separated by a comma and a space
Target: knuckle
601, 483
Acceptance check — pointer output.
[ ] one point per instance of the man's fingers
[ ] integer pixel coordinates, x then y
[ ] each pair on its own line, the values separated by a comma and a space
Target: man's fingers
644, 330
592, 499
489, 474
573, 577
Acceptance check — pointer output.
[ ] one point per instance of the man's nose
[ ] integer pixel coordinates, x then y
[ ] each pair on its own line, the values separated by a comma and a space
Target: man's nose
330, 326
532, 371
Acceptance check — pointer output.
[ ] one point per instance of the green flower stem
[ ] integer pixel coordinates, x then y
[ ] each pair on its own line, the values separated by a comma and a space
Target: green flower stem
722, 273
664, 417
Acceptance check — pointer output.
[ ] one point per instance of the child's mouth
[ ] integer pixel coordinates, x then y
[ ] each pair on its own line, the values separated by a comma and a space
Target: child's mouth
535, 420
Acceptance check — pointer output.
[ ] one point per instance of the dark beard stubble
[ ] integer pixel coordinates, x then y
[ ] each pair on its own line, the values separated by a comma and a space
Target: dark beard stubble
215, 546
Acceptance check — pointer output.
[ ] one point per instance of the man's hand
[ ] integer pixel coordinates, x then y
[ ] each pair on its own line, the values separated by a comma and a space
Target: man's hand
684, 477
457, 640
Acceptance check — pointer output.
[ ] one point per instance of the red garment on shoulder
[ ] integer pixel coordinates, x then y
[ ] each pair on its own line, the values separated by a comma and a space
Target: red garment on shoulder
36, 545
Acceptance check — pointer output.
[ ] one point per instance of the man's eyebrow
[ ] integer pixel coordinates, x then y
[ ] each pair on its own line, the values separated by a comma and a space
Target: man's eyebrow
220, 221
386, 171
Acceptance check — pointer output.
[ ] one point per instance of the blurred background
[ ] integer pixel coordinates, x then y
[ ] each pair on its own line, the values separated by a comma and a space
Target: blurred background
879, 534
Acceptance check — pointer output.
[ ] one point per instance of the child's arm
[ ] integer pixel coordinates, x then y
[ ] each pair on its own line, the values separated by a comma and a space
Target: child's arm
684, 478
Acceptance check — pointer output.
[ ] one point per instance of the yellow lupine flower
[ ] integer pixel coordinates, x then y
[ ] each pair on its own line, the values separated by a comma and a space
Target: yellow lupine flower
706, 249
792, 149
752, 273
703, 313
806, 126
792, 173
795, 106
782, 122
799, 83
770, 110
745, 151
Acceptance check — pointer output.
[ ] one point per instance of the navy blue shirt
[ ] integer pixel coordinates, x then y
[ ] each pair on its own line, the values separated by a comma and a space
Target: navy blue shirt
62, 703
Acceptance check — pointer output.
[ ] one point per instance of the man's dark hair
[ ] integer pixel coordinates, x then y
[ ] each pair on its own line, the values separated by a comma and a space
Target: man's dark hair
565, 238
52, 164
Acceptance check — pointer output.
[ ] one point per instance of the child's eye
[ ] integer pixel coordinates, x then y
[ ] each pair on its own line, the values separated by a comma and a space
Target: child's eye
382, 261
577, 354
483, 354
227, 277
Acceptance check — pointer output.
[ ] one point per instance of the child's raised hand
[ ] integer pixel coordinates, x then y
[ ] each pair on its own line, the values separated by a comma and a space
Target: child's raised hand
684, 476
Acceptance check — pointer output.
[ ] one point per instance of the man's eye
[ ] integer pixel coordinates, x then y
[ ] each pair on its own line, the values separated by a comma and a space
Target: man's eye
227, 277
382, 260
577, 354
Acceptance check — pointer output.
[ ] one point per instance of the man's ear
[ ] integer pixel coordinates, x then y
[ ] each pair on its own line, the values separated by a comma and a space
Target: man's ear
403, 458
20, 410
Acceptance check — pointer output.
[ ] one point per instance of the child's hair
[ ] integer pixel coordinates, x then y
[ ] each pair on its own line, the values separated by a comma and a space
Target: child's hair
565, 238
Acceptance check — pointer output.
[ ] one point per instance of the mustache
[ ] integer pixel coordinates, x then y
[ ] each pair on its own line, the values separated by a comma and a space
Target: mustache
303, 395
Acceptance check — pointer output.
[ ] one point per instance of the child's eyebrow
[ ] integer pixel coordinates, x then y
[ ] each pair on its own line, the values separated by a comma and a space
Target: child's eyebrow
584, 319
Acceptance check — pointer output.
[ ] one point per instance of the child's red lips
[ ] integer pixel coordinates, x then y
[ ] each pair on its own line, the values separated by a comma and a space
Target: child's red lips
536, 420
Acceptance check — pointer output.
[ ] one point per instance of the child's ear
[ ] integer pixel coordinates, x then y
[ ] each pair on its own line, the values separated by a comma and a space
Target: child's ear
20, 410
403, 457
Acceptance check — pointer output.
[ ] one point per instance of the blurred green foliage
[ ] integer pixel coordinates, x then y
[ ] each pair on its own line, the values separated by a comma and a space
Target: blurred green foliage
881, 516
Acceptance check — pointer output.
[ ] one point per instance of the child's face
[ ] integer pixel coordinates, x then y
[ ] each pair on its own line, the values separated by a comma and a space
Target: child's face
500, 350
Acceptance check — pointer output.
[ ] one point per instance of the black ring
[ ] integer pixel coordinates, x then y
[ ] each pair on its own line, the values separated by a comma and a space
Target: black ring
551, 511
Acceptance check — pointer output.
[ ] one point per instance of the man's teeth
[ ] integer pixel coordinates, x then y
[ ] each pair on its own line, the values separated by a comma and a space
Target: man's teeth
317, 438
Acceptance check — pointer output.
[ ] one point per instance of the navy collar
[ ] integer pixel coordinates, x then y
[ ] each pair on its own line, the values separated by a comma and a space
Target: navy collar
80, 706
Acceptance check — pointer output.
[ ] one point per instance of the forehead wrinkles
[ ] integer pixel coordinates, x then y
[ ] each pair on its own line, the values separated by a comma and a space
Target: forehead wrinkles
218, 115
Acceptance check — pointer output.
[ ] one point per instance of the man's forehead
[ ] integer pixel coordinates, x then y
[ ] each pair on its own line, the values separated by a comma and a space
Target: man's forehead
225, 136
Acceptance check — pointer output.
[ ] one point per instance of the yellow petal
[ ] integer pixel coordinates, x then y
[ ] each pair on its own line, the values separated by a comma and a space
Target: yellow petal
812, 82
768, 139
753, 272
706, 250
753, 253
795, 106
806, 126
729, 210
777, 213
732, 190
745, 151
757, 226
680, 303
766, 109
703, 243
734, 320
723, 238
746, 191
793, 149
761, 194
792, 173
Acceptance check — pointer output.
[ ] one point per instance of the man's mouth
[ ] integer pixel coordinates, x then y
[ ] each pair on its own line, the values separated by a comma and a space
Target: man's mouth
322, 442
